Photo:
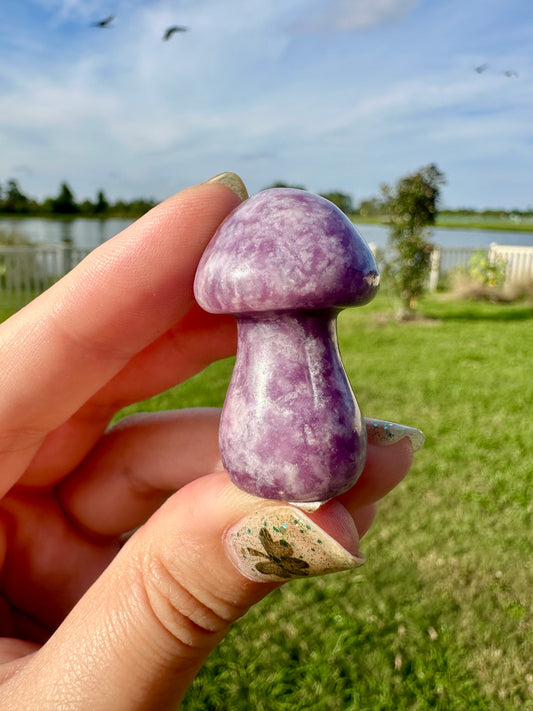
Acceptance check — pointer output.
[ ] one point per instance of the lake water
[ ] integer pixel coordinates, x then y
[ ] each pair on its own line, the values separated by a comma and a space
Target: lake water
455, 237
81, 232
89, 233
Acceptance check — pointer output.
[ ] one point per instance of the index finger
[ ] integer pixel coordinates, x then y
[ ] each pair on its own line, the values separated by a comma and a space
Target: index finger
69, 342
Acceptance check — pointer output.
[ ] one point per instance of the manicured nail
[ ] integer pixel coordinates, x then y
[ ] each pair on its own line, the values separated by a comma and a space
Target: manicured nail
231, 180
276, 544
383, 433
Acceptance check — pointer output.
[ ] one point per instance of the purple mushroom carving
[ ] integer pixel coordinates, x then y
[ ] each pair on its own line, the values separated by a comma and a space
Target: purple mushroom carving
284, 263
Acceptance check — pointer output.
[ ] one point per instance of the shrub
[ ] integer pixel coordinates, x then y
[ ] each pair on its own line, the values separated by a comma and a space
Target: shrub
485, 271
412, 208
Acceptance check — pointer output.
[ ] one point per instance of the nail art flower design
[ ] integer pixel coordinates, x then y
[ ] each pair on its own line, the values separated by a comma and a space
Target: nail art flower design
280, 558
292, 546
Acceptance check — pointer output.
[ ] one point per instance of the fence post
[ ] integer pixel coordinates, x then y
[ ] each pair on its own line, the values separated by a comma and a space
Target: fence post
435, 269
27, 271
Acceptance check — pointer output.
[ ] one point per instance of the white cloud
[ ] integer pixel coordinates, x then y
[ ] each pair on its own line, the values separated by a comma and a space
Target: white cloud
64, 10
240, 91
354, 15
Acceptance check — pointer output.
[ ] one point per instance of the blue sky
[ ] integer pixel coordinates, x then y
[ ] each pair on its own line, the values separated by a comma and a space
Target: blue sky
329, 94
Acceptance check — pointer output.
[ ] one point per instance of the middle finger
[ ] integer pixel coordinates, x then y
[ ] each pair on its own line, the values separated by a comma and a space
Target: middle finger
146, 457
137, 464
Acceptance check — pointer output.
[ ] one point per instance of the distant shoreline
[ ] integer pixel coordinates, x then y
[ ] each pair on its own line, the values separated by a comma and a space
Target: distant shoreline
460, 224
463, 222
69, 218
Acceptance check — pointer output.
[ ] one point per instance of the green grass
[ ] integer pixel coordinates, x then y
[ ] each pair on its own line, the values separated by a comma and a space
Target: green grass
440, 617
486, 222
475, 222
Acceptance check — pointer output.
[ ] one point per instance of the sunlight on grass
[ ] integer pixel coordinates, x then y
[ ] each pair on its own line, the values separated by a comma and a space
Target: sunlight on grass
440, 617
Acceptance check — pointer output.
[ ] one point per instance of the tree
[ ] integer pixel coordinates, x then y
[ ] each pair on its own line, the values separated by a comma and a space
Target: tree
64, 203
371, 207
412, 207
14, 200
341, 200
101, 204
86, 208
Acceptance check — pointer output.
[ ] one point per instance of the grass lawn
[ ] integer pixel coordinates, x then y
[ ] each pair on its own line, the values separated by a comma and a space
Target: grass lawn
440, 617
477, 222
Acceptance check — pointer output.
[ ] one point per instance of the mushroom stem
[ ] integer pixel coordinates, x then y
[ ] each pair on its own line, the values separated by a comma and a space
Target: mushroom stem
291, 428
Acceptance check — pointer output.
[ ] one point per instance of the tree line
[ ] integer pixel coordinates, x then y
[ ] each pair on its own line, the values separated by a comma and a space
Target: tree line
409, 208
13, 201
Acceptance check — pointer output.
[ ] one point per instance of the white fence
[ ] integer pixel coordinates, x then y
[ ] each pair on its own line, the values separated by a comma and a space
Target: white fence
518, 261
27, 271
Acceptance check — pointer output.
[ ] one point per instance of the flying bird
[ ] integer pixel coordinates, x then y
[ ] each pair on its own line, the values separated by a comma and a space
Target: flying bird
106, 22
172, 30
511, 73
482, 68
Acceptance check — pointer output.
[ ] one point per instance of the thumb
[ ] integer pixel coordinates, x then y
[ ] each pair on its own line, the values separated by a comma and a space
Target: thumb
143, 630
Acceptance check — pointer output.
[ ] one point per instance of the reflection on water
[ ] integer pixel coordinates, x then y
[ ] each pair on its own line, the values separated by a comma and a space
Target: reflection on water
89, 233
81, 232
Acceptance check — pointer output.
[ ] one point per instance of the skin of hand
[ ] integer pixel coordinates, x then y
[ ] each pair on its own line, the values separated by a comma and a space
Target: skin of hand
92, 615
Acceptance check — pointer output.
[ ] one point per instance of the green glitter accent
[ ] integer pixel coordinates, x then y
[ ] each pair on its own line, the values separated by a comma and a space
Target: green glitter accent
318, 540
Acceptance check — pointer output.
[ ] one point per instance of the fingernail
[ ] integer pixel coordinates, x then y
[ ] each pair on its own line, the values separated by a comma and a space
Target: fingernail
231, 180
383, 433
277, 544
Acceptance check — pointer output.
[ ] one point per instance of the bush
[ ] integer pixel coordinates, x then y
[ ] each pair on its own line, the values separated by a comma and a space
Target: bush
484, 271
484, 280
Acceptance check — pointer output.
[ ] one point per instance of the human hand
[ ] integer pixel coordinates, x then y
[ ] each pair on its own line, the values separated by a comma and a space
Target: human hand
91, 617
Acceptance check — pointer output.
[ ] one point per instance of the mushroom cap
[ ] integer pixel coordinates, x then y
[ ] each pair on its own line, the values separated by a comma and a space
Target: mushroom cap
285, 249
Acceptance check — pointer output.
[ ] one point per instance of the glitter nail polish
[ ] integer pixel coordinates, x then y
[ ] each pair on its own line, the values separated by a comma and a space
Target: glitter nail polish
383, 433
